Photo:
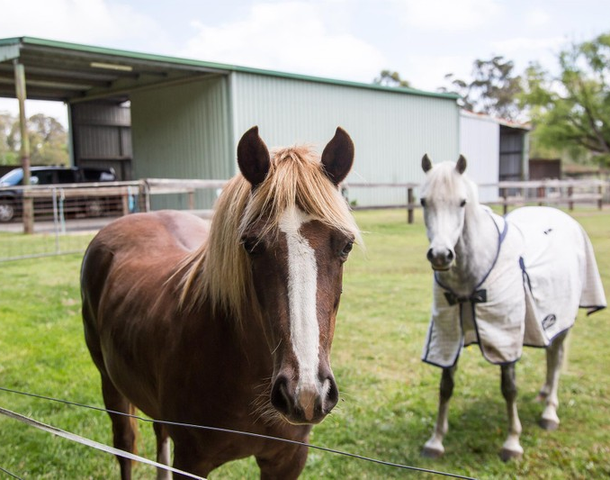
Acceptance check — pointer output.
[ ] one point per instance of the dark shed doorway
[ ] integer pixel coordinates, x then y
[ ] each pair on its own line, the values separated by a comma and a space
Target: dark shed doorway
101, 136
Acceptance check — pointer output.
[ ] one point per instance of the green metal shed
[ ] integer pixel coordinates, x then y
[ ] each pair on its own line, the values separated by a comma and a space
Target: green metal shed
164, 117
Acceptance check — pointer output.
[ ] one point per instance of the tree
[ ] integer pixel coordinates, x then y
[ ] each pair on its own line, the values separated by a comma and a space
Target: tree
572, 109
391, 79
48, 140
7, 154
493, 90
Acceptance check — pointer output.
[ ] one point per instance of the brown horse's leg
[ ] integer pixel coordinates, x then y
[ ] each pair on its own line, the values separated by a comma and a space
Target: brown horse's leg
188, 456
163, 451
511, 447
434, 447
548, 393
123, 428
288, 463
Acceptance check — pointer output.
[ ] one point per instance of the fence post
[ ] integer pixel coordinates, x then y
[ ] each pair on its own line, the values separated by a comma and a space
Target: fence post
570, 200
504, 194
191, 199
410, 205
600, 191
125, 201
144, 196
541, 195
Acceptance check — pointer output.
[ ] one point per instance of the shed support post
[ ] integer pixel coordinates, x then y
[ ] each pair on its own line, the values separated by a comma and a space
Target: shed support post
28, 202
504, 193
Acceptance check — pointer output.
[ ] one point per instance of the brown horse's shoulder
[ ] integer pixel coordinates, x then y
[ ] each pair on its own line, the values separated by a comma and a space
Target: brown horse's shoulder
154, 233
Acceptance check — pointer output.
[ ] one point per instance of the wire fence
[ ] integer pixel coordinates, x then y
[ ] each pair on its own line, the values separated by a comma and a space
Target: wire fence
105, 448
66, 217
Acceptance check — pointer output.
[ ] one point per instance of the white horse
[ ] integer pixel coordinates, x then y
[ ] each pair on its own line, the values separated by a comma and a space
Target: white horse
501, 283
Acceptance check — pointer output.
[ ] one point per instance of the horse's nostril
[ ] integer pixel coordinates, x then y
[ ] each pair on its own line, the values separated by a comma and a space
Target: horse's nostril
280, 398
430, 256
450, 256
332, 397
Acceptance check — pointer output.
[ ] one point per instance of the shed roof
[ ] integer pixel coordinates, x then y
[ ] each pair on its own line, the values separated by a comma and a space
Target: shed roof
71, 72
500, 121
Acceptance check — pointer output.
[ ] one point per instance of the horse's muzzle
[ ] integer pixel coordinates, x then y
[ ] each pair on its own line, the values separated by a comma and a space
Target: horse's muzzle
440, 258
304, 404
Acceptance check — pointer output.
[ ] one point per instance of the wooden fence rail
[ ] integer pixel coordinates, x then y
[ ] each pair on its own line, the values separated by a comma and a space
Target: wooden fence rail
566, 192
512, 193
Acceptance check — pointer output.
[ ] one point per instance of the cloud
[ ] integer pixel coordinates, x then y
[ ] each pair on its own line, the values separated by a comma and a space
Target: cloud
513, 45
288, 36
450, 15
537, 17
428, 73
81, 21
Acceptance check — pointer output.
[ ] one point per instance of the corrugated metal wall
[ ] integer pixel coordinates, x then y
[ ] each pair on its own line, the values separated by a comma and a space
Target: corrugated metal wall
101, 137
391, 130
183, 132
480, 144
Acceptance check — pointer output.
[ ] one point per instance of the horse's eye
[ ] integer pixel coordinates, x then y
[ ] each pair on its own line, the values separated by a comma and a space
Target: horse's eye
347, 248
252, 245
423, 202
462, 203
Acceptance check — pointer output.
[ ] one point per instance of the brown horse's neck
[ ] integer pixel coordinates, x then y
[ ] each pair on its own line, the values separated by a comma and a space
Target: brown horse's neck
244, 337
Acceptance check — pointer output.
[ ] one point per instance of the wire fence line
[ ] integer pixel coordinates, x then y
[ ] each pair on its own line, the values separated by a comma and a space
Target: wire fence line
10, 474
106, 448
66, 217
91, 443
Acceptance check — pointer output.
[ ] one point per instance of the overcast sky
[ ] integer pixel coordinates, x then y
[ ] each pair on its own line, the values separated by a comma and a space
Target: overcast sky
342, 39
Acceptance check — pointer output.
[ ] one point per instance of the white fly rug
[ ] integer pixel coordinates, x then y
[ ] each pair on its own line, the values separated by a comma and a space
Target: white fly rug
544, 271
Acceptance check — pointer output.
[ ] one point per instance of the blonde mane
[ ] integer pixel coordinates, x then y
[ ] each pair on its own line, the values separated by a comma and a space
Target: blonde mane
219, 270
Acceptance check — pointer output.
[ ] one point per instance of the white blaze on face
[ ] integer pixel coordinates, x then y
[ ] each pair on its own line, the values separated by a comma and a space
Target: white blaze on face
302, 290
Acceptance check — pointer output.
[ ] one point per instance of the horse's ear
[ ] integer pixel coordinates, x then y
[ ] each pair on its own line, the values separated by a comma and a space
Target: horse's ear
461, 164
338, 156
253, 157
426, 163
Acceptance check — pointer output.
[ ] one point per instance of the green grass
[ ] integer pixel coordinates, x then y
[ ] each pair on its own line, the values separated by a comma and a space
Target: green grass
388, 396
18, 246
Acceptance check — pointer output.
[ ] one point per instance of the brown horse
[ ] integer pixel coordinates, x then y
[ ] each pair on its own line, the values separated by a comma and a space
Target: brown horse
228, 326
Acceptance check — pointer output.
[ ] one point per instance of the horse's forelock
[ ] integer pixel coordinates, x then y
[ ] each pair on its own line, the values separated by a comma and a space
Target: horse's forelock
296, 178
219, 271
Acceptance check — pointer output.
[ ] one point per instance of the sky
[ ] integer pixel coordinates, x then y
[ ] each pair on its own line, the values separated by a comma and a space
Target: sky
352, 40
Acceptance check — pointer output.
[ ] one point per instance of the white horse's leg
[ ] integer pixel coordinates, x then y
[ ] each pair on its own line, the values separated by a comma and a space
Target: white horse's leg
163, 451
554, 361
511, 448
434, 447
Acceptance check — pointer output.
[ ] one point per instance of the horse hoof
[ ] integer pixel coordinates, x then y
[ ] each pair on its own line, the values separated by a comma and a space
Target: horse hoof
428, 452
506, 454
548, 425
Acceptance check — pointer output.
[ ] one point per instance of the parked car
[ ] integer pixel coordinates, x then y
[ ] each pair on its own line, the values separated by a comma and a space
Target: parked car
11, 200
